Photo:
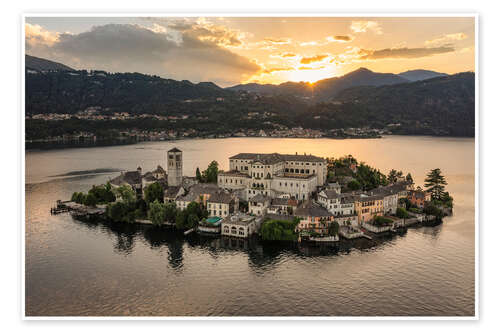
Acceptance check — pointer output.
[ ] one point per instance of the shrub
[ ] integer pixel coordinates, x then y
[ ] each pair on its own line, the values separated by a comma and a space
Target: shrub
381, 221
280, 230
402, 213
157, 213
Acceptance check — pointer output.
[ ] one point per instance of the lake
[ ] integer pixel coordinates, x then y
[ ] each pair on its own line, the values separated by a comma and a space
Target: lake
74, 268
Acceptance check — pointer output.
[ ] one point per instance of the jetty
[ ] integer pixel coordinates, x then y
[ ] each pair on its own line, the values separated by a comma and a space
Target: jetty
78, 210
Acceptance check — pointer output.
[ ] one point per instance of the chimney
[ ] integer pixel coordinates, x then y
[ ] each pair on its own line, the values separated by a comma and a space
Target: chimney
139, 169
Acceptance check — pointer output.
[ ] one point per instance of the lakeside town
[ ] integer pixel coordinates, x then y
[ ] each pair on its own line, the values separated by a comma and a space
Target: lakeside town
277, 197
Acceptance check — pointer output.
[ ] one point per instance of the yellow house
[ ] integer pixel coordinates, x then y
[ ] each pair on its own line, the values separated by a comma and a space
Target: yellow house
368, 206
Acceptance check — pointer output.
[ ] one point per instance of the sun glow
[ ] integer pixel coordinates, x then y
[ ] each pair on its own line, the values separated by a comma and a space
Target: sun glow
311, 75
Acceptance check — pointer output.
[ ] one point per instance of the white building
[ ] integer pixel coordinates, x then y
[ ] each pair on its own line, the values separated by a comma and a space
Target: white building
221, 204
273, 174
240, 225
339, 204
258, 204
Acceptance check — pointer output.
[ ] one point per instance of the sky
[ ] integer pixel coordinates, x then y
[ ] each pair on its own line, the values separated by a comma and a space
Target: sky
234, 50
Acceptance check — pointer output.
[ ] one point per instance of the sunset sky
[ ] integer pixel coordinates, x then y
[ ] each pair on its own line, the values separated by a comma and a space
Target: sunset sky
232, 50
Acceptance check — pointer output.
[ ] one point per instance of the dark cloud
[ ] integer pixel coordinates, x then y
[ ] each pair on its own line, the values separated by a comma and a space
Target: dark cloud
405, 52
196, 56
316, 58
342, 38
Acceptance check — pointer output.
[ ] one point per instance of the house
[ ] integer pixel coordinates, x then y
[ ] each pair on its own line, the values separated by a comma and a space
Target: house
334, 186
222, 204
240, 225
173, 192
182, 202
368, 206
129, 178
391, 196
258, 204
419, 198
283, 206
313, 217
337, 203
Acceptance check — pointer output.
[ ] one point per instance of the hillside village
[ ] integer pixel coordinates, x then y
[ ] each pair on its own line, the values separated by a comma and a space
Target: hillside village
279, 196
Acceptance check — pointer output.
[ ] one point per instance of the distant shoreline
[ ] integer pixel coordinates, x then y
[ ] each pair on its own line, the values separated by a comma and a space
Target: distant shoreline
51, 145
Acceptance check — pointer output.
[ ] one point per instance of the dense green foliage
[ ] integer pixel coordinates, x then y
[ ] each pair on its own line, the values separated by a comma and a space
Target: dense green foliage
279, 230
153, 192
433, 210
125, 193
209, 175
402, 213
435, 184
121, 211
333, 228
381, 221
157, 212
189, 217
101, 194
365, 177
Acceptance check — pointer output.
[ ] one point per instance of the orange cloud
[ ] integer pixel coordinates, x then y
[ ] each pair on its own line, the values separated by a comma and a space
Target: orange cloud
446, 38
316, 58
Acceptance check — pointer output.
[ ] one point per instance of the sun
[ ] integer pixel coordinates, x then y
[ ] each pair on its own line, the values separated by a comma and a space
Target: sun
311, 75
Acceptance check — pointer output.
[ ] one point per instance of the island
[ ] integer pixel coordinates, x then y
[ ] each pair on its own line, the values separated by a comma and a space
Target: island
276, 197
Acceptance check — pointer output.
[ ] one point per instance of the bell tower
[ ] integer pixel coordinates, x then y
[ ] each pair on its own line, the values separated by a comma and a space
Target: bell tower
174, 167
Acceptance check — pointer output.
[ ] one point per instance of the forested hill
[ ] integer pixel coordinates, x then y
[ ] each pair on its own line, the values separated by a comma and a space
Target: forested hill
73, 91
438, 106
40, 64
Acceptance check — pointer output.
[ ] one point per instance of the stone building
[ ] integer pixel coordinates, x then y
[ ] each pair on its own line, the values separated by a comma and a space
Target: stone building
240, 225
174, 167
272, 174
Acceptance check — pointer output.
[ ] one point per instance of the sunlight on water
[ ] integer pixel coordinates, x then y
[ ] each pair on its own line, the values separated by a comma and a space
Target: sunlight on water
76, 268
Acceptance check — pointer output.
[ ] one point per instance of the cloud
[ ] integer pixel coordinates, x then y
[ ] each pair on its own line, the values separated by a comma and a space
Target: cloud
277, 69
404, 52
339, 38
364, 26
302, 68
316, 58
277, 41
37, 36
446, 38
195, 53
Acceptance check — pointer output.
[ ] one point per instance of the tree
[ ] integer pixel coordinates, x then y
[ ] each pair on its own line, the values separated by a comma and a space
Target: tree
170, 212
90, 200
401, 213
153, 192
198, 175
392, 177
354, 185
157, 212
435, 183
431, 209
280, 230
409, 178
192, 221
210, 174
181, 219
116, 211
126, 193
333, 228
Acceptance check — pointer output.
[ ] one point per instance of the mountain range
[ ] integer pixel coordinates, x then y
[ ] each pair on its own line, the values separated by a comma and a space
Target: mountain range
419, 102
326, 89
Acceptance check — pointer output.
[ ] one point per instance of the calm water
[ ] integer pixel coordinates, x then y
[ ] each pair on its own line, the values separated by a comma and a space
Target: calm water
78, 269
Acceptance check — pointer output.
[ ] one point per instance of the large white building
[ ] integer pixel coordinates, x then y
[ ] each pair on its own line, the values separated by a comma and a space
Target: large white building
274, 174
